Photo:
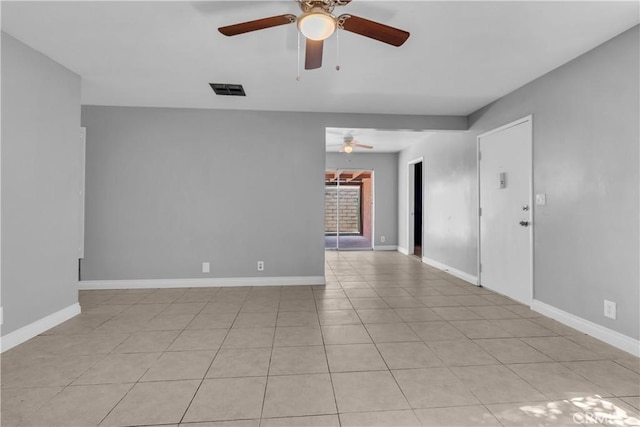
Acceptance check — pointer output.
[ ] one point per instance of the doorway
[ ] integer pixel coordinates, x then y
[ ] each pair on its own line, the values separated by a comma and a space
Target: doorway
417, 208
348, 209
505, 261
415, 201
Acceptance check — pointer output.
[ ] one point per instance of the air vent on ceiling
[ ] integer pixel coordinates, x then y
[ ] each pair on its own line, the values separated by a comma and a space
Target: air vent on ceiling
227, 89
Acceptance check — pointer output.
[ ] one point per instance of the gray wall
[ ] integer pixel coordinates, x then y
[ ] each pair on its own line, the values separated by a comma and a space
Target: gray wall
385, 188
170, 188
449, 198
585, 153
40, 182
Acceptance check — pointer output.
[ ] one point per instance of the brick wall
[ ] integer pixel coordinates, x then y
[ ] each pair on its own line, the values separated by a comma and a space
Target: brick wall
349, 205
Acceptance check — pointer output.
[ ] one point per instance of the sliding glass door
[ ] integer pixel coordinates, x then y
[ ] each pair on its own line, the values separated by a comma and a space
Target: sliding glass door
348, 209
331, 216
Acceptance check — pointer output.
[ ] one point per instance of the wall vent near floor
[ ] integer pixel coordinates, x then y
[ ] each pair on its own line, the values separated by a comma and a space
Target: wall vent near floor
227, 89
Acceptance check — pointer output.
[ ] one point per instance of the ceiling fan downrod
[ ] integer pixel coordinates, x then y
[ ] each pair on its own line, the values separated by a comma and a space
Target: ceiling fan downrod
326, 5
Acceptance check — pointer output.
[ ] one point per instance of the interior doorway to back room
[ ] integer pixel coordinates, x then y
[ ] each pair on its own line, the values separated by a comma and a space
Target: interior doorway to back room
415, 185
348, 209
417, 209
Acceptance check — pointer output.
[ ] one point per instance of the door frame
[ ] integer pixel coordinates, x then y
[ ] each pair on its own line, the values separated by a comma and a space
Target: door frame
82, 185
525, 119
410, 205
373, 207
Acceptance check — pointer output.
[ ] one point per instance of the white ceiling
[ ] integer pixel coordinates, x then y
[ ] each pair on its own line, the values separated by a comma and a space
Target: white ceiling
460, 56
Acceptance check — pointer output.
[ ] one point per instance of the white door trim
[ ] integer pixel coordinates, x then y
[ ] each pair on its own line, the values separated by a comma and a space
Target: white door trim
82, 185
528, 118
373, 209
410, 198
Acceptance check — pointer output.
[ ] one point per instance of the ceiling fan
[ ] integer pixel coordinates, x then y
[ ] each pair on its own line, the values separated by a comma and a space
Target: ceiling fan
350, 144
317, 23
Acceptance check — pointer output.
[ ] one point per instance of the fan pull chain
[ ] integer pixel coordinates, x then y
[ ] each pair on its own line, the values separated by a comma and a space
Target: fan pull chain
338, 49
298, 76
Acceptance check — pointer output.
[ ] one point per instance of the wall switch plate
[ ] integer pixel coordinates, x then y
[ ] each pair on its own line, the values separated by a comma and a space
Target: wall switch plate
541, 199
260, 265
502, 180
1, 315
610, 309
206, 267
382, 239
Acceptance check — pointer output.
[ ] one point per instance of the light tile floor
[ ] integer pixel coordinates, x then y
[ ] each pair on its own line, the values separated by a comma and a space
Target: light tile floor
388, 342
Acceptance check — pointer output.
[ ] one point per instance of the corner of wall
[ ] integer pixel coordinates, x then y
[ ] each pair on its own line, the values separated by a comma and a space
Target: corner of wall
34, 329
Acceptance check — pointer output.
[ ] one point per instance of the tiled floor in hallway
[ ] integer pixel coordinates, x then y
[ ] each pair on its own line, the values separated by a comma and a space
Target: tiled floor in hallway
388, 342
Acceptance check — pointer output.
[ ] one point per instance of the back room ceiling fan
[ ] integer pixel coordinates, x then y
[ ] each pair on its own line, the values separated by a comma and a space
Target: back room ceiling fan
350, 144
317, 23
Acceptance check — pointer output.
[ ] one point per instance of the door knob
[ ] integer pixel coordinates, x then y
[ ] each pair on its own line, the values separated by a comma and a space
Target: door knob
524, 223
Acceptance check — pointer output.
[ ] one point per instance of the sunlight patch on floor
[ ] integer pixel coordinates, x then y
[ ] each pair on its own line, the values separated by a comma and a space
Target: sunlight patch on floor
579, 410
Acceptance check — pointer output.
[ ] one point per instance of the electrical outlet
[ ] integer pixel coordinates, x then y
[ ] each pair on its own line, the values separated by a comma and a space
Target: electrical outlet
382, 239
260, 265
541, 199
610, 309
206, 267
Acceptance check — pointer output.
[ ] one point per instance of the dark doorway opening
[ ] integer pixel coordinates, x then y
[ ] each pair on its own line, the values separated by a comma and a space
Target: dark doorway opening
417, 209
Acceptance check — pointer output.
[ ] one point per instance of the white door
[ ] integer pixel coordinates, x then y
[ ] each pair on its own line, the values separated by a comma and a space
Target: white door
505, 183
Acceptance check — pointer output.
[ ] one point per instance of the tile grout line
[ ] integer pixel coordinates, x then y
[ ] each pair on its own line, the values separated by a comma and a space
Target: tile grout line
210, 364
146, 370
273, 342
326, 359
387, 365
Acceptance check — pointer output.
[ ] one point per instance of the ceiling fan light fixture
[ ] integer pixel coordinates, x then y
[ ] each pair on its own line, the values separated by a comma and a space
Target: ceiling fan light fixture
348, 149
317, 24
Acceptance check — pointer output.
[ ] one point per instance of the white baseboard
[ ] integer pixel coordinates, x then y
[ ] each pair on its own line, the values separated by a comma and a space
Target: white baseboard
403, 251
452, 271
386, 248
616, 339
200, 283
25, 333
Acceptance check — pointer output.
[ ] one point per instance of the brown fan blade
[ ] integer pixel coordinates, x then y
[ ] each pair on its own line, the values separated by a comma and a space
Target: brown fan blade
341, 150
373, 30
258, 24
313, 54
356, 144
